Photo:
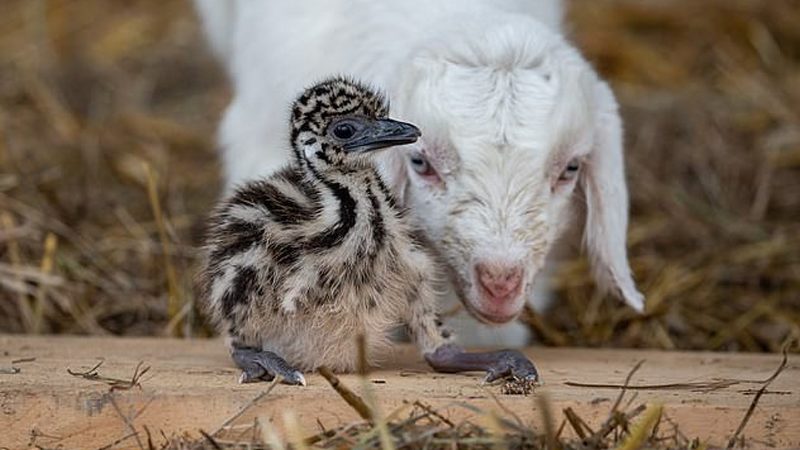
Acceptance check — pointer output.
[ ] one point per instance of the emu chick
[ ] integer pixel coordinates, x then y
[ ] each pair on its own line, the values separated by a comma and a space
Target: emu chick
301, 262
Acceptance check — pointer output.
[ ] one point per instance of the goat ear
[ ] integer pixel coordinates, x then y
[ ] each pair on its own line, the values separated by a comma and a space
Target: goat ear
603, 183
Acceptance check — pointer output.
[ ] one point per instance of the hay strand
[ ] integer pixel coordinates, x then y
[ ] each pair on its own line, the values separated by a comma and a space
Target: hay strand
642, 430
757, 397
350, 397
174, 298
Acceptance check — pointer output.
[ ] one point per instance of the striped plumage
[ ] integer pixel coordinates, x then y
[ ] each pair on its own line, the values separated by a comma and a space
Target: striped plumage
301, 262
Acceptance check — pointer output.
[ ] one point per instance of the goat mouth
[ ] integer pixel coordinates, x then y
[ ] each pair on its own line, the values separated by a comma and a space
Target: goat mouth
471, 305
492, 319
497, 310
488, 317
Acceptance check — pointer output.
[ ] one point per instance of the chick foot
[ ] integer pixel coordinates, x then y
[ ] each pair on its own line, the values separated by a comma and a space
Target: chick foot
260, 365
450, 358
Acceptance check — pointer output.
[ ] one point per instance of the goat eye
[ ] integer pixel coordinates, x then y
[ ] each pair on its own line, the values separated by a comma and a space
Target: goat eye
420, 164
344, 131
424, 169
571, 171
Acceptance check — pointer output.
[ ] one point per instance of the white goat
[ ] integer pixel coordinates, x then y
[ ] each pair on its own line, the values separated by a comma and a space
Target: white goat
512, 119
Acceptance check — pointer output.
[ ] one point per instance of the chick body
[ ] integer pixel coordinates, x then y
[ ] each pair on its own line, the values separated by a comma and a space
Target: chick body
301, 262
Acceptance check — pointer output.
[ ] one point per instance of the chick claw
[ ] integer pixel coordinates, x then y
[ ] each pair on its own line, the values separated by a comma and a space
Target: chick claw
511, 364
259, 365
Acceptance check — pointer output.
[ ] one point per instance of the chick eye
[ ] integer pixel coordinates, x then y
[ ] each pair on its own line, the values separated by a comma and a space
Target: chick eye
571, 171
344, 131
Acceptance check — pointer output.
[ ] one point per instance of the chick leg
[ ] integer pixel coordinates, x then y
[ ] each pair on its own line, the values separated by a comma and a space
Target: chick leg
423, 323
259, 365
442, 355
451, 358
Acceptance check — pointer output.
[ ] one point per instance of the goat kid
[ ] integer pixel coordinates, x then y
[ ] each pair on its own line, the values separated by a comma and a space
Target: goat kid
520, 136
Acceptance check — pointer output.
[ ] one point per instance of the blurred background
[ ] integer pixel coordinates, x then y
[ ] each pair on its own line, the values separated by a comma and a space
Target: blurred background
107, 170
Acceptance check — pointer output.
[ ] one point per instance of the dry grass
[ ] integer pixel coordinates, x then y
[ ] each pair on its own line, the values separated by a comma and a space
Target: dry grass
710, 93
107, 169
108, 111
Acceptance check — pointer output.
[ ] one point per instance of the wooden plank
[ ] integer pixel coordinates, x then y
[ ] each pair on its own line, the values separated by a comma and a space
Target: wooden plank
192, 385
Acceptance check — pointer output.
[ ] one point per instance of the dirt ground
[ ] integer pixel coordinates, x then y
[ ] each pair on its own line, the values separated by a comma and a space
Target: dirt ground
190, 385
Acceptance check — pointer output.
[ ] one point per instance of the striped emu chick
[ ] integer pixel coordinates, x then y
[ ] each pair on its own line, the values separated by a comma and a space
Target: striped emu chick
301, 262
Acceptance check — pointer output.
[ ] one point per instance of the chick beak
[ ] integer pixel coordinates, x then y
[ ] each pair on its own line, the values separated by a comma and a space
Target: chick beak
384, 133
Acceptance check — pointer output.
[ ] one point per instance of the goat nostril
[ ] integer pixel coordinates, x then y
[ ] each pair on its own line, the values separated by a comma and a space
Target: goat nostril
515, 276
499, 281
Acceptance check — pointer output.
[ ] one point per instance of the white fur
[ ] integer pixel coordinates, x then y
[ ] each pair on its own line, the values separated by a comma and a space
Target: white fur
503, 101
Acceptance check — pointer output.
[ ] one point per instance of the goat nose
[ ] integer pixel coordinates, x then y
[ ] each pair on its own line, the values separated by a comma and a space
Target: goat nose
499, 280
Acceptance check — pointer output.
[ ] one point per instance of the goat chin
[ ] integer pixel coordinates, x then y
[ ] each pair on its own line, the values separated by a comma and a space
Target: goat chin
507, 107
